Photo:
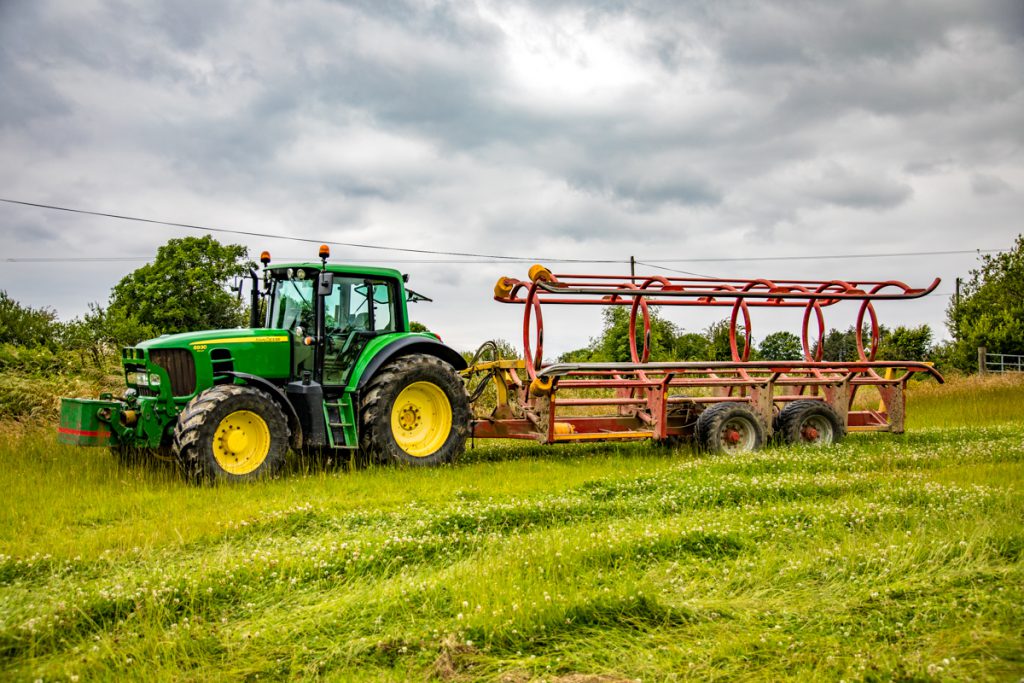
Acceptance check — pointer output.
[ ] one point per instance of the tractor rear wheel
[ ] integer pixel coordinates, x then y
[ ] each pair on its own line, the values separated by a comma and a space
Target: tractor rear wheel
415, 411
729, 429
813, 423
231, 433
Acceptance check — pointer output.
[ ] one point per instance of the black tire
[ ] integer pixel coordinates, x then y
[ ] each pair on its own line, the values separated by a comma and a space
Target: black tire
812, 423
201, 435
728, 429
377, 438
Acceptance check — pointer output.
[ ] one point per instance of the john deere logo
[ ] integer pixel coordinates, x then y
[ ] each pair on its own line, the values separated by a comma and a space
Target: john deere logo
201, 345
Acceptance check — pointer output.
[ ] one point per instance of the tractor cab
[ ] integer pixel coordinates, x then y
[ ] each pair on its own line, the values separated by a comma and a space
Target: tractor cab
332, 313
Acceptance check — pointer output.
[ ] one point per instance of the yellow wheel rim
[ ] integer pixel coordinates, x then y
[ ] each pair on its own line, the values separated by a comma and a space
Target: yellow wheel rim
241, 442
421, 419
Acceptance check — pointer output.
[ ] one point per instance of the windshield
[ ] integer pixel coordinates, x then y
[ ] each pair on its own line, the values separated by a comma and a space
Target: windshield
293, 304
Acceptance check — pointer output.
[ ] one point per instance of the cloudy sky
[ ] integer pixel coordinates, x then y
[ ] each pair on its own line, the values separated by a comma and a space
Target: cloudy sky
674, 132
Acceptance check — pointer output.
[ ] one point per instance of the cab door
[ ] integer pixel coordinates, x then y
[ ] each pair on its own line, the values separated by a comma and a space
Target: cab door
356, 311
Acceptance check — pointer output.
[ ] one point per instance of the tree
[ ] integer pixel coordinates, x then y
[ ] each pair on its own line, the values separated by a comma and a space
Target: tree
26, 326
100, 331
693, 346
584, 355
906, 343
717, 335
182, 289
613, 344
781, 346
841, 345
990, 312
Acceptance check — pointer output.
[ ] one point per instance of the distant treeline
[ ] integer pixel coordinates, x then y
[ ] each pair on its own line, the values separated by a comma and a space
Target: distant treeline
712, 344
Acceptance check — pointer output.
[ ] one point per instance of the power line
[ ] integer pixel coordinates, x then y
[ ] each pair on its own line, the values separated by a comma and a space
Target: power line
66, 259
823, 256
249, 233
287, 259
674, 270
491, 258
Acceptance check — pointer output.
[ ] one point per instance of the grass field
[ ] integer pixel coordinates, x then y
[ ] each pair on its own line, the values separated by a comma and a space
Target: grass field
887, 557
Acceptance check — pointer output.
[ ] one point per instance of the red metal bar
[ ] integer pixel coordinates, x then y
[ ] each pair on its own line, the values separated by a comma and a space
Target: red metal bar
674, 291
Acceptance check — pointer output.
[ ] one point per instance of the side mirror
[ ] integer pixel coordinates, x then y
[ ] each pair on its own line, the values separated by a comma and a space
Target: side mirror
325, 284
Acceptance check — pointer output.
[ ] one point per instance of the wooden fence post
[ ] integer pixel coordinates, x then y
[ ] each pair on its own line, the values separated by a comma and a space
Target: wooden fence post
982, 352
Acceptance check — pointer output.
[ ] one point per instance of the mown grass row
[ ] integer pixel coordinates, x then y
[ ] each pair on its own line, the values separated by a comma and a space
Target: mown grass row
887, 557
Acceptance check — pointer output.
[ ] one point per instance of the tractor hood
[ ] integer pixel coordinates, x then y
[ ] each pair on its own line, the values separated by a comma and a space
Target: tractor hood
191, 360
217, 338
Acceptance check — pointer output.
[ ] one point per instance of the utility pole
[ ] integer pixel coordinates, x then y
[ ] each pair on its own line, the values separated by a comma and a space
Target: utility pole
956, 311
632, 267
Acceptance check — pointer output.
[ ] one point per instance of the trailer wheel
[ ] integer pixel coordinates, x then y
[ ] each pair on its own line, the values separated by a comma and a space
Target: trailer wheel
231, 433
729, 428
415, 411
812, 423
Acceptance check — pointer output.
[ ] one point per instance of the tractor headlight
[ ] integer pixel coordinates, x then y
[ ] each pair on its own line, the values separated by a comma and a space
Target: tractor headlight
147, 379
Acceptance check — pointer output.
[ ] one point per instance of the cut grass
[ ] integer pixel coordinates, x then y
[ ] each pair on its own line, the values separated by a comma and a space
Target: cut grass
888, 557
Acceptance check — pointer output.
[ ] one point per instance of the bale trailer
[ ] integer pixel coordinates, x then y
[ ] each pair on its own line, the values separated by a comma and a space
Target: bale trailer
724, 406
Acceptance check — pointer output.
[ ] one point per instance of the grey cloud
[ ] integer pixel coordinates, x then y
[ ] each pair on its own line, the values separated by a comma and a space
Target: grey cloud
26, 99
188, 23
842, 187
647, 193
31, 232
984, 184
930, 166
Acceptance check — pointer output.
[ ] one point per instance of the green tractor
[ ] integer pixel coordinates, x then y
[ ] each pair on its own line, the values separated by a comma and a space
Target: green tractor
332, 366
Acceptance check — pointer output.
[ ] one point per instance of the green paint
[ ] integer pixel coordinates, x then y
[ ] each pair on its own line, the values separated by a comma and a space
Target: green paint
339, 415
375, 346
81, 423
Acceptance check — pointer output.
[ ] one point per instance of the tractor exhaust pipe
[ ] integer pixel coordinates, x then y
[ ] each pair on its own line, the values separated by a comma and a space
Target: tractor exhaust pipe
254, 300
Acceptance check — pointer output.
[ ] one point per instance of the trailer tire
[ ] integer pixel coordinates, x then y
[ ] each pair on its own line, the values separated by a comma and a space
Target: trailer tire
415, 411
231, 433
812, 423
728, 429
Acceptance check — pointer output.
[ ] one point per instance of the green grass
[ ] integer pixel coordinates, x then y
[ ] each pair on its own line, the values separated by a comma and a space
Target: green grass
887, 557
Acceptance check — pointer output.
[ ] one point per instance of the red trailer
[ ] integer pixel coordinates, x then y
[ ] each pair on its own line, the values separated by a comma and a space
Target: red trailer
726, 406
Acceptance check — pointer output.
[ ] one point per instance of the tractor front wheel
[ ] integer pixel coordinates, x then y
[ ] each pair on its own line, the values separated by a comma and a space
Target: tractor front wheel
231, 433
415, 411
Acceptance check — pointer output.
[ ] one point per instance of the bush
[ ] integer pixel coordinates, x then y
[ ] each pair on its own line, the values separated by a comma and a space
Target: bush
27, 326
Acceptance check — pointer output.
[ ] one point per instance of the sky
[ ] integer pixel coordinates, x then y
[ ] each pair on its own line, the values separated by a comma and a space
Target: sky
673, 132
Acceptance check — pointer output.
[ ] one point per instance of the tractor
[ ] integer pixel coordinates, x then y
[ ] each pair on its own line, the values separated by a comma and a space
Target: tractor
328, 362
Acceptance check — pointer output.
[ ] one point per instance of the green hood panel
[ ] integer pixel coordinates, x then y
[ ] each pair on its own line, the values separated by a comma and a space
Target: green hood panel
263, 352
226, 338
